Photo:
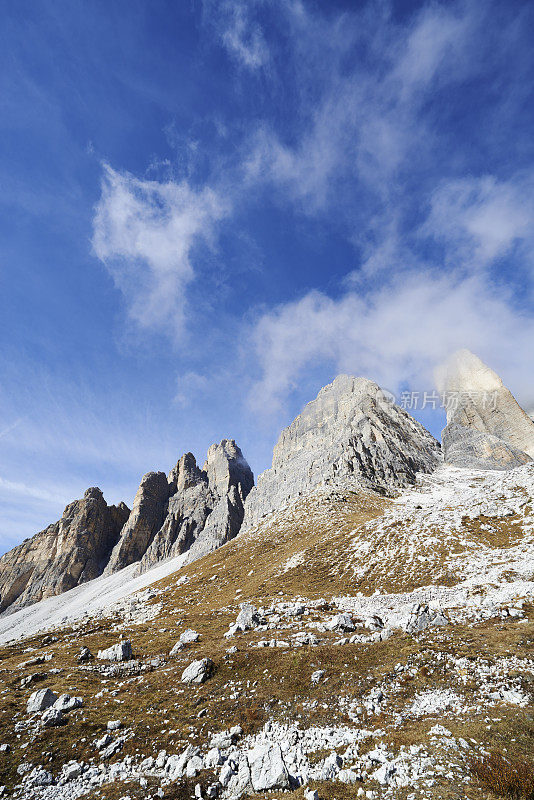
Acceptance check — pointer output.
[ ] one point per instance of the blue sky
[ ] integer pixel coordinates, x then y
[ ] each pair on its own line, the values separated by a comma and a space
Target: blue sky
209, 209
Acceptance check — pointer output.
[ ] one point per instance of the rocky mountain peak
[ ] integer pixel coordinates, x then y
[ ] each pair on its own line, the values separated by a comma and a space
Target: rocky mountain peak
71, 551
486, 427
225, 466
186, 473
351, 436
192, 510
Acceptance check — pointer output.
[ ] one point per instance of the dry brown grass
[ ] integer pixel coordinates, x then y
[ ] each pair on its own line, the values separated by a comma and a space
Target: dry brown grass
511, 777
163, 714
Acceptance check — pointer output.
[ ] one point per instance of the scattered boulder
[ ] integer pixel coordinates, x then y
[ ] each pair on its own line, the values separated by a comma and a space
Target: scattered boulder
122, 651
71, 771
248, 617
187, 637
52, 717
114, 725
40, 777
267, 768
40, 700
340, 622
34, 678
66, 703
198, 671
84, 656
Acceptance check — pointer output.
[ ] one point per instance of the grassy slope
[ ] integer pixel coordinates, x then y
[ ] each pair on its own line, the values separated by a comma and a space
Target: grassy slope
256, 684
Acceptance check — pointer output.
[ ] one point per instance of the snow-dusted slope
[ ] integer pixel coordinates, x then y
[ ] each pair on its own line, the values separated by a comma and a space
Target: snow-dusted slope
93, 598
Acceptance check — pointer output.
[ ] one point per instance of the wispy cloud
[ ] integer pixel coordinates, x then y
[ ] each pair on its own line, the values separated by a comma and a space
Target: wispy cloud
240, 33
482, 219
145, 232
395, 335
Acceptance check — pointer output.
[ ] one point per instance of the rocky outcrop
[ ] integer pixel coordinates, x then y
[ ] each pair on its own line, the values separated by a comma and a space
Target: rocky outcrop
191, 511
69, 552
145, 519
486, 427
207, 505
351, 436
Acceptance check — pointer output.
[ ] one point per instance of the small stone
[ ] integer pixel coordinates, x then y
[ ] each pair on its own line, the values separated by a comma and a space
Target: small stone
113, 724
311, 794
84, 656
317, 675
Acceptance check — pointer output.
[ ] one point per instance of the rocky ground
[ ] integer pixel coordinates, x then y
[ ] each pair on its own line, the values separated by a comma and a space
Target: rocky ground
351, 645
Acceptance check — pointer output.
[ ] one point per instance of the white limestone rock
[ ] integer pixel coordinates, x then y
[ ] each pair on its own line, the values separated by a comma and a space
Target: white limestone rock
267, 768
122, 651
198, 671
40, 700
350, 437
66, 703
486, 428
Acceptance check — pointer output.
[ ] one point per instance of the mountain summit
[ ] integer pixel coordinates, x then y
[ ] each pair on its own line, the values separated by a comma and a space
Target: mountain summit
351, 436
192, 510
486, 427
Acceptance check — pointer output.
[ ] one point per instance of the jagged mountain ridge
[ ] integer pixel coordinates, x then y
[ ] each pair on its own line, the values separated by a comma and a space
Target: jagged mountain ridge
73, 550
348, 644
192, 509
350, 437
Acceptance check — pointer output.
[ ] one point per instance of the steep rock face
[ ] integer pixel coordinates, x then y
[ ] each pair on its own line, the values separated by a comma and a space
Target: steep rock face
192, 509
207, 505
145, 519
486, 427
69, 552
351, 436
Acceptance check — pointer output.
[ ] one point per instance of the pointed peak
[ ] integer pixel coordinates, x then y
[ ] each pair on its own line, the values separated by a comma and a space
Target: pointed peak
465, 371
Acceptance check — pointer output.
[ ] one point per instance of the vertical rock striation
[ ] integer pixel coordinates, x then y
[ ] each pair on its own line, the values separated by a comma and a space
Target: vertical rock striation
206, 507
351, 436
69, 552
192, 510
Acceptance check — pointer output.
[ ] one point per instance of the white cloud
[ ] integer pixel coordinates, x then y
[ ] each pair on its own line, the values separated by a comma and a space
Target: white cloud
365, 121
394, 334
145, 233
235, 26
242, 37
481, 219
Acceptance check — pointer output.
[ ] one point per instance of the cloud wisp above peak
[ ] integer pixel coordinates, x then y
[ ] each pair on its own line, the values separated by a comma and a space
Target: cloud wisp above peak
395, 334
145, 232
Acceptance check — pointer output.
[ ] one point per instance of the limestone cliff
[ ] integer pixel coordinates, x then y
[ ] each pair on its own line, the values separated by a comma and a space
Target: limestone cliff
69, 552
350, 436
486, 427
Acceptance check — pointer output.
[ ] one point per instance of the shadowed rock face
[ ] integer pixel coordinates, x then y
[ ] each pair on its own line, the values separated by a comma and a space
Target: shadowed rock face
145, 519
193, 509
207, 507
69, 552
486, 427
350, 436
